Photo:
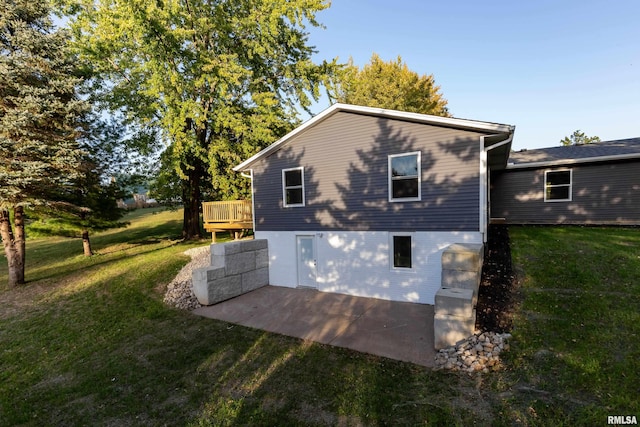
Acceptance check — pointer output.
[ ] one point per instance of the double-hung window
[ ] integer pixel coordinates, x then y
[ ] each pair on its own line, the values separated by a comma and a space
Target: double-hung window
404, 177
293, 187
557, 186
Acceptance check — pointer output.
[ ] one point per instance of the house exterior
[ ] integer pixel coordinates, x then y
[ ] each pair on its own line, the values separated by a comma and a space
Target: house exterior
363, 201
580, 184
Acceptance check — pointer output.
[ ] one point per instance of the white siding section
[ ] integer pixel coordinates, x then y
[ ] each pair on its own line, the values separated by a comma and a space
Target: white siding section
358, 263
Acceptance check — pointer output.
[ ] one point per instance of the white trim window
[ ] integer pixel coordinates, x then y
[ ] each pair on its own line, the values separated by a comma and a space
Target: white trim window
557, 185
401, 253
293, 187
405, 177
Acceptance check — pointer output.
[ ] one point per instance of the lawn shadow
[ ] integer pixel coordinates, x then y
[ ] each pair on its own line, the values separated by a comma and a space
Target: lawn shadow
307, 383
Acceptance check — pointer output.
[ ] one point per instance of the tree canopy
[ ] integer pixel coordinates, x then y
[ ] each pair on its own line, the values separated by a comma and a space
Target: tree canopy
579, 138
41, 119
218, 79
390, 85
40, 111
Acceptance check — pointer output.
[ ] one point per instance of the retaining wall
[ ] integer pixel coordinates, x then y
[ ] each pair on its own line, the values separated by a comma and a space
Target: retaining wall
236, 268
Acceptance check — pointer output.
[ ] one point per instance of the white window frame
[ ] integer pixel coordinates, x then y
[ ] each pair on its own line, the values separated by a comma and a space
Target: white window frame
391, 251
391, 178
292, 187
570, 185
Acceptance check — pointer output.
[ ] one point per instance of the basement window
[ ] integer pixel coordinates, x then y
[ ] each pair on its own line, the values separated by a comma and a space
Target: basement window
557, 186
402, 251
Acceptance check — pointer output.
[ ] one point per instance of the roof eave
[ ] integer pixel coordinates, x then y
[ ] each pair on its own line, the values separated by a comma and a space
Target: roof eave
562, 162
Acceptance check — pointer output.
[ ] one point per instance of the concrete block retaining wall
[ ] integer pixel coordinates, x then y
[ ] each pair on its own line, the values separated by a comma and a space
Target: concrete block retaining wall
455, 301
236, 268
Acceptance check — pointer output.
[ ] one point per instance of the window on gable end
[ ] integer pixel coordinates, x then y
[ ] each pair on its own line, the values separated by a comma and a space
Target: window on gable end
404, 177
293, 187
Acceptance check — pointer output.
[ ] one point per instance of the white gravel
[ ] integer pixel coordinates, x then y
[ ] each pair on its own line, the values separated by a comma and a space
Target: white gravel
180, 292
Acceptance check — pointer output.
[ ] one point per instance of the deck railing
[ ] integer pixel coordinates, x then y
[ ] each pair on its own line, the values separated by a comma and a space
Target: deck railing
227, 212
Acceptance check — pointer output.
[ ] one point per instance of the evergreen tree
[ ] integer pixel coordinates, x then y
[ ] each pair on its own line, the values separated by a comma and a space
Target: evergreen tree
40, 116
219, 79
579, 138
391, 85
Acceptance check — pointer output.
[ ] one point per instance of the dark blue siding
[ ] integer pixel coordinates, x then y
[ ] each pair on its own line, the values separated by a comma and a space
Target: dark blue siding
602, 193
346, 178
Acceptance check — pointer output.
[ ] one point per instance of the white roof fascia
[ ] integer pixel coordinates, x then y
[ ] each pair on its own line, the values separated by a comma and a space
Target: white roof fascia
573, 161
426, 118
402, 115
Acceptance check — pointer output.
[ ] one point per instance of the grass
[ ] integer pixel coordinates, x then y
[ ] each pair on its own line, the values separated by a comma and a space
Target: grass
88, 341
576, 351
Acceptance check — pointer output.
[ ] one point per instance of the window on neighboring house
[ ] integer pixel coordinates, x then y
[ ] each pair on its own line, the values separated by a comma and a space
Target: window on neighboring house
557, 186
401, 245
404, 177
293, 187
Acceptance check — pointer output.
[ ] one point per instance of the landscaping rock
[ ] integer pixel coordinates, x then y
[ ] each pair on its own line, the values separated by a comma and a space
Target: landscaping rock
478, 353
179, 292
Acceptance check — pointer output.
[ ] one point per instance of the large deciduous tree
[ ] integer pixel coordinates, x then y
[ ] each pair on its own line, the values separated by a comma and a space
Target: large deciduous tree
390, 85
39, 119
219, 78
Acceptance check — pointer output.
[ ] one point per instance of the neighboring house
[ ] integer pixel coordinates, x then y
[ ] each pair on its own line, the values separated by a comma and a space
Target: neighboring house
363, 201
581, 184
138, 200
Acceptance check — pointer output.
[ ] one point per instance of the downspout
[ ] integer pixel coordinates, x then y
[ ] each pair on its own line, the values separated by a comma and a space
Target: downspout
484, 182
253, 207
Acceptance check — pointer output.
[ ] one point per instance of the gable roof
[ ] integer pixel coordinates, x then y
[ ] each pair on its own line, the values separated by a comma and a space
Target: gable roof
464, 124
564, 155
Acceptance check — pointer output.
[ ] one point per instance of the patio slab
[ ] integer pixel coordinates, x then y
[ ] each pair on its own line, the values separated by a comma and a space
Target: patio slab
397, 330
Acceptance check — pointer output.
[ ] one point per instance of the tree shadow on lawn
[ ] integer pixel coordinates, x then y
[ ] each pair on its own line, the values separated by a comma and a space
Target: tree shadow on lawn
169, 230
110, 352
81, 264
107, 247
45, 280
315, 384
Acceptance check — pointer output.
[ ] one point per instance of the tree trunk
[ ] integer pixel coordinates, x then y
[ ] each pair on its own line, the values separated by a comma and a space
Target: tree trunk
20, 241
192, 200
15, 256
86, 243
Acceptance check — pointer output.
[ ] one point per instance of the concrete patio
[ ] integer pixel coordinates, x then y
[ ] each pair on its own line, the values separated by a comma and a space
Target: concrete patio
397, 330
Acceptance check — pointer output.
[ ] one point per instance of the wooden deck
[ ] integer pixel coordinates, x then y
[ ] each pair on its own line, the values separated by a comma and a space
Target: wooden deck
236, 215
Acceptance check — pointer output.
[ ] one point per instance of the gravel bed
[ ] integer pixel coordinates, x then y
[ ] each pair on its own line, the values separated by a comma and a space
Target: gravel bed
477, 353
180, 292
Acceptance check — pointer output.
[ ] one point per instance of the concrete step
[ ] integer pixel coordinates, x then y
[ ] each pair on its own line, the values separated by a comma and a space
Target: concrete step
463, 256
455, 302
461, 279
448, 330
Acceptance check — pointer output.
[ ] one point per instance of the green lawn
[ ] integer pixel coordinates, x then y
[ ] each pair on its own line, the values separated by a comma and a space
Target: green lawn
576, 352
88, 341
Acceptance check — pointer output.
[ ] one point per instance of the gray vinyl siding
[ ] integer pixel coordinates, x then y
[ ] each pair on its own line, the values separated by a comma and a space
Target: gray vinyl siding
345, 160
602, 193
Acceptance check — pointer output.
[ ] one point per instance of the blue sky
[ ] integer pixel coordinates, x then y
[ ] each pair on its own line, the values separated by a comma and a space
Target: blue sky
547, 67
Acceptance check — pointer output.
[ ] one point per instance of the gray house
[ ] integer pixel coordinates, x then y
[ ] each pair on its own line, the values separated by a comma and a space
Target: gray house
581, 184
363, 201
